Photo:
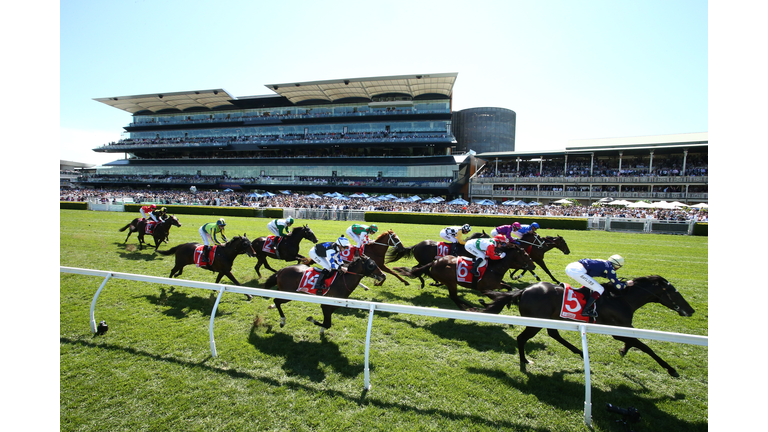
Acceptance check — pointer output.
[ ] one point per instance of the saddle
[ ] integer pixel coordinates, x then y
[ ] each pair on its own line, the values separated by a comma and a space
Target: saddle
464, 270
149, 226
443, 249
199, 253
270, 244
308, 279
574, 300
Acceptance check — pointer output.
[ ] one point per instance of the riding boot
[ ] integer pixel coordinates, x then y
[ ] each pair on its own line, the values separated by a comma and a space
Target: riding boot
454, 249
319, 289
590, 309
204, 257
475, 271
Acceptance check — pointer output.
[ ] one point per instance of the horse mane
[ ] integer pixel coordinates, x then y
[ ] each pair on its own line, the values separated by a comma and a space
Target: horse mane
387, 232
641, 280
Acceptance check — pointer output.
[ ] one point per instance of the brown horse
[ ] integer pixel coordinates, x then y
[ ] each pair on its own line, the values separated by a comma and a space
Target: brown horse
536, 247
378, 249
287, 249
615, 307
444, 270
159, 234
425, 252
224, 257
289, 278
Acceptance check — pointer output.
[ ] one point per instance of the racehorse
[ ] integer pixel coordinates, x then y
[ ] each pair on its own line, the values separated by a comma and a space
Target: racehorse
224, 257
287, 249
426, 251
138, 226
160, 232
288, 279
615, 307
445, 270
536, 247
378, 249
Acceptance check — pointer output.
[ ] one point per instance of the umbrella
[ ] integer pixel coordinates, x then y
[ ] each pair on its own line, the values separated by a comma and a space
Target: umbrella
700, 205
414, 198
620, 202
562, 201
228, 190
640, 204
285, 192
534, 203
458, 201
605, 200
433, 200
254, 195
485, 202
313, 196
402, 200
267, 194
664, 205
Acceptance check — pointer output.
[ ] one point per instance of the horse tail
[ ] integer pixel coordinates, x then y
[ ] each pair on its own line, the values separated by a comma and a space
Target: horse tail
170, 251
271, 281
395, 254
421, 270
502, 299
125, 227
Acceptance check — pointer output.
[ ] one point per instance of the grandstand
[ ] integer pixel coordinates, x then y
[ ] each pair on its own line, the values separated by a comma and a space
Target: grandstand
387, 135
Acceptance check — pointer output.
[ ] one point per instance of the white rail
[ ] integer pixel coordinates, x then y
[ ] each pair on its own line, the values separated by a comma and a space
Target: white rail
582, 328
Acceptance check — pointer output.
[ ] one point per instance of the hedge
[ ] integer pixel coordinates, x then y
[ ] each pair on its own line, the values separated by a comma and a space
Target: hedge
215, 210
73, 205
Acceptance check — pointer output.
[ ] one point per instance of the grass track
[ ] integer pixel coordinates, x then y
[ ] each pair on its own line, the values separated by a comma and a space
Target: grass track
153, 369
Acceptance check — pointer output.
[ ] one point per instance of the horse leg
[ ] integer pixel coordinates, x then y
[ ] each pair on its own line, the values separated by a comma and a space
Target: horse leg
454, 295
540, 263
522, 338
277, 304
231, 277
327, 313
632, 342
129, 234
177, 269
554, 334
512, 275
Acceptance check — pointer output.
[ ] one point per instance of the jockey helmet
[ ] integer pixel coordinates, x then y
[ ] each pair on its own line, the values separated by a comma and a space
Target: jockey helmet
221, 222
373, 228
343, 242
466, 228
500, 238
616, 260
516, 225
162, 209
153, 206
289, 221
535, 225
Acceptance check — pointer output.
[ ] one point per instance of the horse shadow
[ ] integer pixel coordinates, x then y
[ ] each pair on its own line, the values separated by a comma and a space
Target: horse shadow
303, 358
549, 389
179, 304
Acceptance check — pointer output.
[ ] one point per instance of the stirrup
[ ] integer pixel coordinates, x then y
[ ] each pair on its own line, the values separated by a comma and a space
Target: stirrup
592, 312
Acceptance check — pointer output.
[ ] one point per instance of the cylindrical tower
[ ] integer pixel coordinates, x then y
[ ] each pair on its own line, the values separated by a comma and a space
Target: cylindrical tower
486, 129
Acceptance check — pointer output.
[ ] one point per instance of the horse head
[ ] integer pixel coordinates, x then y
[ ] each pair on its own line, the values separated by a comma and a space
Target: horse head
366, 266
174, 221
391, 240
307, 233
663, 292
241, 245
561, 244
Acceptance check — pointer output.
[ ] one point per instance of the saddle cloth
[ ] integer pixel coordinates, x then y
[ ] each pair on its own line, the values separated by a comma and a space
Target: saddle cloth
349, 254
270, 244
573, 302
443, 249
199, 254
149, 228
464, 270
308, 279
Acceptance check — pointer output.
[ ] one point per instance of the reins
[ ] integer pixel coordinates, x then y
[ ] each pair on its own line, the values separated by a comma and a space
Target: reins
669, 297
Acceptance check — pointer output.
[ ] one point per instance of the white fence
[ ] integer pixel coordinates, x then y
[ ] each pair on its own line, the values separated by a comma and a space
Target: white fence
372, 307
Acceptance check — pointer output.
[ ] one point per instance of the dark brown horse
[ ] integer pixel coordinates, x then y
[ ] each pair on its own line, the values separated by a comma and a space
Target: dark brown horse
614, 307
378, 249
287, 249
224, 257
289, 278
536, 247
425, 252
160, 232
444, 270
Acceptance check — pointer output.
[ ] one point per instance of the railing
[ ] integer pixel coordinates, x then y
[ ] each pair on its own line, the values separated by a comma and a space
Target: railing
587, 180
372, 307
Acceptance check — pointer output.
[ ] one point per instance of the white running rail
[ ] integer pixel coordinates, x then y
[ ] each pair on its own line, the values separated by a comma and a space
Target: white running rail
581, 328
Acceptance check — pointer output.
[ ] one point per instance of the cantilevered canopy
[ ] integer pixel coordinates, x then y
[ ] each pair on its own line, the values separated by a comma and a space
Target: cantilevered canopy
413, 85
162, 101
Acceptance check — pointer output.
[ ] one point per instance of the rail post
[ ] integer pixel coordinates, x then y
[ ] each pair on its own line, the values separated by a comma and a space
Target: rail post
93, 302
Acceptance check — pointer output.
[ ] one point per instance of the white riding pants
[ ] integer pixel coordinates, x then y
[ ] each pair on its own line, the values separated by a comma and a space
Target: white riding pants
447, 237
577, 272
471, 247
206, 237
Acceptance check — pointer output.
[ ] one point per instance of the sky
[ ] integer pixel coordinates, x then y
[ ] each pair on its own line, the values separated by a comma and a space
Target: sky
568, 69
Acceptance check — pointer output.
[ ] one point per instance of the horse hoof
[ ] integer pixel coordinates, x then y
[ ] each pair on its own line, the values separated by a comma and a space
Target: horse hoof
673, 372
272, 306
248, 297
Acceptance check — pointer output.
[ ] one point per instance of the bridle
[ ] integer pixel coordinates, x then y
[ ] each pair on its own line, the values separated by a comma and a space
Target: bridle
675, 307
393, 241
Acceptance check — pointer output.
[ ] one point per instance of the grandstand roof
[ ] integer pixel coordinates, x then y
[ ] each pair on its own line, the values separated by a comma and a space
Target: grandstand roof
413, 85
177, 101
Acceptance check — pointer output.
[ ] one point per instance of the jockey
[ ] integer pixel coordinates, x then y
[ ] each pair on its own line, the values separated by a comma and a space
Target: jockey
453, 235
159, 214
524, 229
584, 270
147, 212
359, 233
280, 227
483, 248
328, 255
510, 232
208, 232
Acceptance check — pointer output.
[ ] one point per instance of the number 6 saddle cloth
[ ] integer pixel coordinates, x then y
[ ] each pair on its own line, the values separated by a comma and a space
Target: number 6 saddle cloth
464, 270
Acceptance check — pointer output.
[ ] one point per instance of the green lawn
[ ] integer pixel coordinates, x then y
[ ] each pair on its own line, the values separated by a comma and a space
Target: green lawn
153, 370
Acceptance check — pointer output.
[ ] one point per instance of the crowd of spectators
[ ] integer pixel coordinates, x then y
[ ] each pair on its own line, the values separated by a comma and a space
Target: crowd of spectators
302, 201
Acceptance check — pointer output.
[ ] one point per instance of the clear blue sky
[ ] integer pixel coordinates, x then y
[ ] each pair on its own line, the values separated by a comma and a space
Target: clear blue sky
569, 69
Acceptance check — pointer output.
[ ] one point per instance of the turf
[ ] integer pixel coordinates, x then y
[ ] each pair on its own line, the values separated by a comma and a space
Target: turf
153, 369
